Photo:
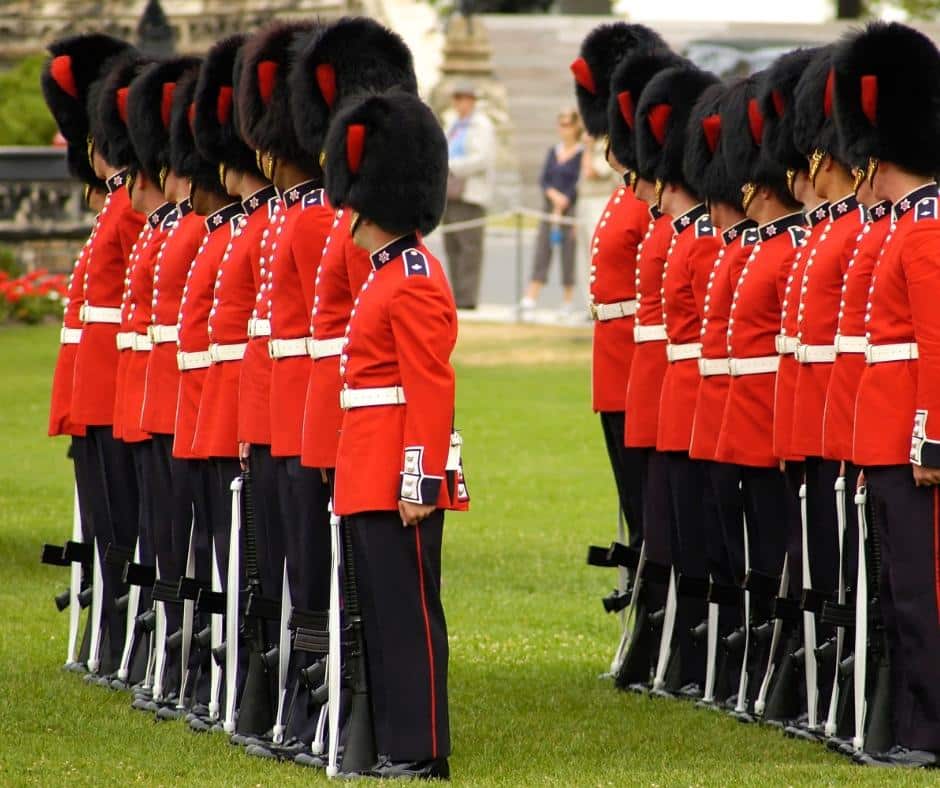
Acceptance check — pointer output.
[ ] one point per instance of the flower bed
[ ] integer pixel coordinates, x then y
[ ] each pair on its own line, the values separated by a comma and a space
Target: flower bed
32, 297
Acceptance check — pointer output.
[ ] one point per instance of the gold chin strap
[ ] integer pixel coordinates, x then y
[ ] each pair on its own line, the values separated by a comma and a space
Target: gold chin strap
164, 171
86, 195
659, 186
354, 218
259, 159
858, 178
632, 178
90, 148
791, 181
322, 159
871, 171
815, 162
270, 163
129, 182
222, 173
750, 192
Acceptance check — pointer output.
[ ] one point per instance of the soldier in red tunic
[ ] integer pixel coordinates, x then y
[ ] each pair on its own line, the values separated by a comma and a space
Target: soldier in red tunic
619, 232
648, 364
817, 319
706, 169
886, 93
746, 435
398, 467
662, 117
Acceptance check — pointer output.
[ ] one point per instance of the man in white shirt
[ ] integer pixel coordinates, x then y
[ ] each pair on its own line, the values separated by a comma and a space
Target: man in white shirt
471, 144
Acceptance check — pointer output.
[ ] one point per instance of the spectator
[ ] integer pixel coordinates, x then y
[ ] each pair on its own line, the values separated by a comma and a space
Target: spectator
471, 143
559, 183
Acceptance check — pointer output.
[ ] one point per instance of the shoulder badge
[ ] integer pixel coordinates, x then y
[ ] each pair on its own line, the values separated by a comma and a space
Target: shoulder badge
925, 209
750, 236
172, 219
416, 263
313, 198
704, 227
797, 234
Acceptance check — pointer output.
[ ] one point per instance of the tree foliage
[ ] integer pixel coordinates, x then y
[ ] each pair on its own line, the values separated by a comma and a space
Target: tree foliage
24, 117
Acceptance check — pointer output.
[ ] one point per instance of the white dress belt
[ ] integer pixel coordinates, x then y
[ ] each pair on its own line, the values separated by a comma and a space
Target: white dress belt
233, 352
324, 348
708, 367
70, 336
100, 314
125, 340
613, 311
141, 342
815, 354
259, 327
850, 344
683, 352
197, 360
786, 346
287, 348
901, 351
757, 365
363, 398
160, 335
649, 334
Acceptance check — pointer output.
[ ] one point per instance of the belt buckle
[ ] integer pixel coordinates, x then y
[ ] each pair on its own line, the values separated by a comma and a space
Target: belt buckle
869, 354
594, 313
310, 342
180, 360
151, 334
271, 349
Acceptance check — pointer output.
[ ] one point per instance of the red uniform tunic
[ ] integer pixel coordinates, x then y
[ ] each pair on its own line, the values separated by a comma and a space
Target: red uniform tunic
195, 305
817, 320
96, 362
896, 399
850, 340
713, 389
343, 269
691, 255
60, 401
254, 383
299, 239
185, 231
613, 281
402, 333
787, 341
124, 347
648, 366
234, 299
138, 309
747, 427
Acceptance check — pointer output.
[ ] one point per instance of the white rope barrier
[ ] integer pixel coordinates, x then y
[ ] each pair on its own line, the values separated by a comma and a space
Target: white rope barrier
514, 213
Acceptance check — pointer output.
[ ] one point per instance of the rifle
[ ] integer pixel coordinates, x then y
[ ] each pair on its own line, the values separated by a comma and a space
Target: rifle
619, 599
232, 606
665, 658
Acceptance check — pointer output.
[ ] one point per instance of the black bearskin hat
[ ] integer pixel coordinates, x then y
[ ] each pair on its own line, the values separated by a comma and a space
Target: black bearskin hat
602, 49
386, 157
776, 102
353, 55
887, 94
703, 165
109, 112
626, 84
214, 124
743, 139
185, 159
76, 156
264, 97
662, 119
149, 108
814, 126
76, 62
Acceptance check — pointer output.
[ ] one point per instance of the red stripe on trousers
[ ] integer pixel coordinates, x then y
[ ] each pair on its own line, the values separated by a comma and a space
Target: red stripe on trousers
427, 633
936, 547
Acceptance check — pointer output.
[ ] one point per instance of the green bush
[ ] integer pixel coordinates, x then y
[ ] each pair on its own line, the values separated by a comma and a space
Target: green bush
24, 117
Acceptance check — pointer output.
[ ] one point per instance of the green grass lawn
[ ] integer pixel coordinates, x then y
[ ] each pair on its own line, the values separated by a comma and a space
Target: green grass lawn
528, 635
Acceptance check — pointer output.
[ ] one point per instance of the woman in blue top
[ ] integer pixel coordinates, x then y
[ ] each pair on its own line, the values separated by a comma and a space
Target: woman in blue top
559, 184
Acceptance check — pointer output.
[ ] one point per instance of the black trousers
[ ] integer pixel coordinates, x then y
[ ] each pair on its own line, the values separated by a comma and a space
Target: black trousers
221, 471
113, 506
199, 479
908, 518
822, 523
722, 515
795, 476
629, 467
686, 479
269, 533
398, 576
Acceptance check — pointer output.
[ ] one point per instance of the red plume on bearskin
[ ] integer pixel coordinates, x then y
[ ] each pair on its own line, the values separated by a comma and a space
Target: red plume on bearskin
775, 91
658, 118
166, 102
887, 90
352, 56
627, 110
601, 51
827, 99
711, 128
814, 127
110, 113
223, 105
779, 103
355, 142
755, 121
703, 162
186, 159
267, 72
60, 68
582, 75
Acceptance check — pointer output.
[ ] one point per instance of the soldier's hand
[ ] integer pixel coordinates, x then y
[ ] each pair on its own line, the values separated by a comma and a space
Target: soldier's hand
414, 513
243, 451
926, 477
860, 482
